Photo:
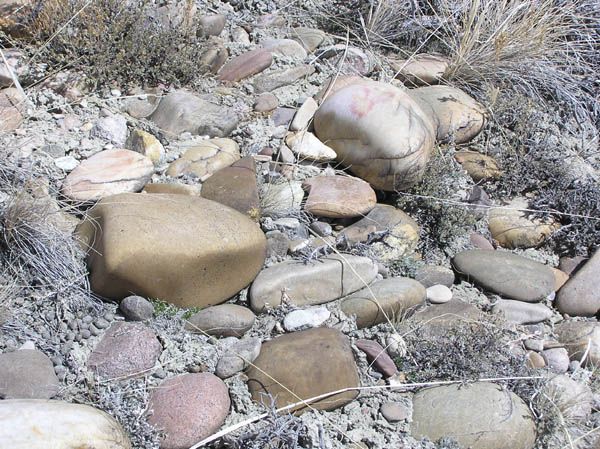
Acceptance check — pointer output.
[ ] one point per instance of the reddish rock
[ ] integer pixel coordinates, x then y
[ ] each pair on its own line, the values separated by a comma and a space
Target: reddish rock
126, 350
246, 64
188, 408
12, 105
108, 172
480, 242
377, 357
339, 196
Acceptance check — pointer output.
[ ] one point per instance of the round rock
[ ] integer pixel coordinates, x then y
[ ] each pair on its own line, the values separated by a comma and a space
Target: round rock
188, 408
338, 197
439, 294
136, 308
305, 319
225, 320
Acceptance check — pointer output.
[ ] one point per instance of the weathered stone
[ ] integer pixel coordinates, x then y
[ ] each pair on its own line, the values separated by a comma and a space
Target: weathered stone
430, 275
27, 374
323, 362
573, 399
379, 132
225, 320
309, 38
580, 296
581, 338
506, 274
522, 312
235, 186
12, 107
246, 65
205, 157
512, 228
238, 357
211, 252
188, 408
560, 278
377, 357
285, 47
479, 416
266, 102
571, 265
113, 129
143, 105
535, 360
211, 25
182, 111
136, 308
283, 116
33, 424
394, 411
106, 173
126, 350
478, 166
338, 196
557, 359
304, 115
387, 299
279, 78
349, 60
435, 321
306, 146
421, 69
281, 199
313, 283
305, 318
145, 143
214, 57
456, 116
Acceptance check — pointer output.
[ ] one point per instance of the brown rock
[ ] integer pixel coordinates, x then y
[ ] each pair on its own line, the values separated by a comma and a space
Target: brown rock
421, 69
560, 278
188, 408
322, 363
106, 173
377, 356
480, 242
145, 143
236, 187
126, 350
224, 320
338, 196
214, 57
309, 38
245, 65
266, 102
479, 166
174, 188
186, 250
205, 157
12, 105
535, 360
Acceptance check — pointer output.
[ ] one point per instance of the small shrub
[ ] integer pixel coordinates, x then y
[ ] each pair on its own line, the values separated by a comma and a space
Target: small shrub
117, 41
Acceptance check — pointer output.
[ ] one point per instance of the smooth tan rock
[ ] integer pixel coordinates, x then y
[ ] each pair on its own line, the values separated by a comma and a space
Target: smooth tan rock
560, 278
41, 424
285, 47
512, 228
379, 132
175, 188
309, 38
246, 65
338, 196
304, 115
214, 57
186, 250
306, 146
106, 173
313, 283
145, 143
456, 116
12, 105
535, 360
203, 158
224, 320
388, 299
478, 166
235, 186
322, 362
579, 338
479, 416
421, 69
188, 408
580, 296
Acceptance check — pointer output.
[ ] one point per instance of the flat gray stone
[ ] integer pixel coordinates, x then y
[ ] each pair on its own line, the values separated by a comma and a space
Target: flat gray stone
506, 274
522, 312
479, 416
224, 320
391, 298
27, 374
430, 275
274, 80
317, 282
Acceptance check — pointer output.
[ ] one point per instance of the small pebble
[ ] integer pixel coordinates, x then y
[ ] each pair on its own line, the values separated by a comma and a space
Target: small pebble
87, 319
85, 334
94, 331
439, 294
136, 308
160, 373
109, 316
394, 411
534, 345
101, 323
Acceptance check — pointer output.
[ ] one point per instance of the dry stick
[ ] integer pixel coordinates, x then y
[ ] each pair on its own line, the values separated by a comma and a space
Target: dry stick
289, 407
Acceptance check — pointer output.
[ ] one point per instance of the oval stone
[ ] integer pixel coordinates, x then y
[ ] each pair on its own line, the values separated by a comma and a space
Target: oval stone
225, 320
377, 130
186, 250
522, 312
506, 274
580, 296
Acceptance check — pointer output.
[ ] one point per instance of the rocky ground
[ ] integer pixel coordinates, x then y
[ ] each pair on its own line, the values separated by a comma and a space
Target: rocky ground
315, 243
